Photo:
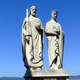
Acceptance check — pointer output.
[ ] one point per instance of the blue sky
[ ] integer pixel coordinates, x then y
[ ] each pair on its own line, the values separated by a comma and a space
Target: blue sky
12, 13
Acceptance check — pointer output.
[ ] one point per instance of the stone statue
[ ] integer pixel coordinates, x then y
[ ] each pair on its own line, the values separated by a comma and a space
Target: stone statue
55, 42
32, 47
32, 41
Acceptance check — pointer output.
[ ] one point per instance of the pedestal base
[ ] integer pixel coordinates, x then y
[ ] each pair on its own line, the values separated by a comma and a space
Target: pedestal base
48, 75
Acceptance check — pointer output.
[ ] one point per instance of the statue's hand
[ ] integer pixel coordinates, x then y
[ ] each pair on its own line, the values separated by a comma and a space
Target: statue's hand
38, 27
58, 32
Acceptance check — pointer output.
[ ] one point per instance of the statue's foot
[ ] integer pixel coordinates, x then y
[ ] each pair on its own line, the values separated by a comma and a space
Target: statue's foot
56, 68
35, 69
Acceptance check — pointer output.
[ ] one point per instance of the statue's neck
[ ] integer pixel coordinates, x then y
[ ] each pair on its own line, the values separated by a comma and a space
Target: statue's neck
54, 19
33, 16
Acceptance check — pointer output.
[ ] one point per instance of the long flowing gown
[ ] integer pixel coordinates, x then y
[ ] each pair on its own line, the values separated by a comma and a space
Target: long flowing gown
55, 44
32, 49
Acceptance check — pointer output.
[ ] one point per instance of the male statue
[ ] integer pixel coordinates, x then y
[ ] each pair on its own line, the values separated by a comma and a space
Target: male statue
32, 41
55, 42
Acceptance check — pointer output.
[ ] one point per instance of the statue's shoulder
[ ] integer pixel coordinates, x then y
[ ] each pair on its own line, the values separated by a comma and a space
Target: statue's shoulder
31, 18
37, 18
48, 23
59, 25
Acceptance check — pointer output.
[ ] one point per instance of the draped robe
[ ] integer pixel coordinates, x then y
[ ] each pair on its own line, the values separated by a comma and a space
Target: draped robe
32, 49
55, 44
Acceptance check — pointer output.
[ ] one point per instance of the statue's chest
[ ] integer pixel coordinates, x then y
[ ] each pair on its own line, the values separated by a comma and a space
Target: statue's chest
35, 22
54, 26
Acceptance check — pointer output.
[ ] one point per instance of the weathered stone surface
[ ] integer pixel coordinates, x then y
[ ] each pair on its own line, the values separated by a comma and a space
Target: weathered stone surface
49, 73
32, 41
55, 38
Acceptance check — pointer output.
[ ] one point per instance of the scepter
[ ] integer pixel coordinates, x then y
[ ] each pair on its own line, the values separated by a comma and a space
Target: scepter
23, 29
27, 14
26, 19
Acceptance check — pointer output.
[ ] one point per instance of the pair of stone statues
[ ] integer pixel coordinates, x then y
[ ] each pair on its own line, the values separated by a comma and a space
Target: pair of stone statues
32, 41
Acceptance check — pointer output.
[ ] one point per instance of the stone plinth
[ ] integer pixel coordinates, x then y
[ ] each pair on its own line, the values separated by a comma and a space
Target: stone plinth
48, 75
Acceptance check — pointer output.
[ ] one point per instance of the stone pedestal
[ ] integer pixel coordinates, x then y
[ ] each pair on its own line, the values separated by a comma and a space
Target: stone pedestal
48, 75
